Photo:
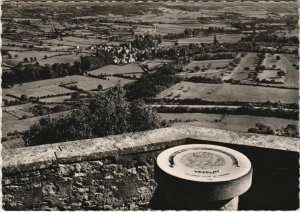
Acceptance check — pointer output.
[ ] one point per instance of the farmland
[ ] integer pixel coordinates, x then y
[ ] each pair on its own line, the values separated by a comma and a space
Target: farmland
227, 92
284, 64
115, 69
53, 87
211, 64
90, 83
239, 72
10, 125
230, 122
218, 54
224, 38
75, 41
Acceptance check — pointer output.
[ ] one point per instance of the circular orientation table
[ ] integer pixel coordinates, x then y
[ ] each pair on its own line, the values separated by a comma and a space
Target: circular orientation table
201, 176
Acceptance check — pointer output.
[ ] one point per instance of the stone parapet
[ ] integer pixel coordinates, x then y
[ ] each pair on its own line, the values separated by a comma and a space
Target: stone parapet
117, 172
43, 156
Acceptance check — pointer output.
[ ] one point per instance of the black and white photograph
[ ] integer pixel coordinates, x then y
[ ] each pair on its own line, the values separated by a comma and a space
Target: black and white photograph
149, 105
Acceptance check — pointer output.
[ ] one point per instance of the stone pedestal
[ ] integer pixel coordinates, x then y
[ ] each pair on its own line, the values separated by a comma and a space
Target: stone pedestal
202, 177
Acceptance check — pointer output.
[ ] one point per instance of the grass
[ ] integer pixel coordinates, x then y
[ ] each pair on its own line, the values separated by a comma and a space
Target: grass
203, 117
38, 54
117, 69
239, 123
292, 74
249, 60
40, 88
10, 125
19, 111
205, 63
228, 92
57, 99
32, 90
222, 38
67, 58
75, 41
270, 75
90, 83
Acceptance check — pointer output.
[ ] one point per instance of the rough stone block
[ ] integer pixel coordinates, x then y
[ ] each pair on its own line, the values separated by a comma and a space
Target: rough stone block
28, 159
89, 149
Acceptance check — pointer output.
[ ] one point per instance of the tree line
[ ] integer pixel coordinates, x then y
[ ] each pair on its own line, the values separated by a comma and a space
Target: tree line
32, 72
243, 110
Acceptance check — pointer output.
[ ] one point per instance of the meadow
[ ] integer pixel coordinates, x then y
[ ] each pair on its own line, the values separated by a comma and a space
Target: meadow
222, 38
117, 69
211, 64
91, 83
228, 92
239, 123
239, 73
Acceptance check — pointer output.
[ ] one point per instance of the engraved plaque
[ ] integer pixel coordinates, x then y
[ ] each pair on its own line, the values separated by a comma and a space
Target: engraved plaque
204, 163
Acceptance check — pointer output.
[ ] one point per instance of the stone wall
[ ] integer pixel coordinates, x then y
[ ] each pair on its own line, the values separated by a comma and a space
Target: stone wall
116, 172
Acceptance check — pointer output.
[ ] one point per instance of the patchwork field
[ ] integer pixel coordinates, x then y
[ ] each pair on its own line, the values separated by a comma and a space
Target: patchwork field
285, 64
117, 69
270, 76
57, 99
222, 38
40, 88
24, 124
230, 122
228, 92
75, 41
32, 90
90, 83
210, 64
66, 58
18, 56
239, 73
19, 111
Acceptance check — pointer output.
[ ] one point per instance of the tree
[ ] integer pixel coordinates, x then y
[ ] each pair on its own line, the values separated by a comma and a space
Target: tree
108, 113
142, 117
24, 98
100, 87
75, 95
197, 68
25, 60
278, 57
280, 73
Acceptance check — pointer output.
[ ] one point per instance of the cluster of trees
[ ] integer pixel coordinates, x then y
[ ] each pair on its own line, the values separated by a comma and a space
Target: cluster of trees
215, 56
149, 85
198, 101
194, 32
262, 129
244, 110
30, 72
205, 79
109, 113
291, 130
147, 41
271, 38
39, 109
187, 33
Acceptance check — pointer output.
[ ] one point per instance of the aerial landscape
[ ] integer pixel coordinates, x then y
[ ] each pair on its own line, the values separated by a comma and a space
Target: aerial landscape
150, 105
231, 66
